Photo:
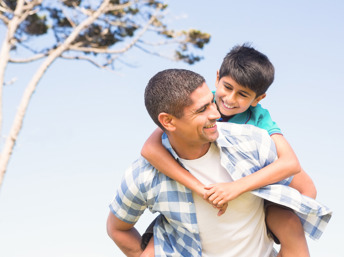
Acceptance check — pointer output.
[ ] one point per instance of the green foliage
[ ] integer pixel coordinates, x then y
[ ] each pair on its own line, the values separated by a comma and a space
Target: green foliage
57, 20
71, 3
95, 36
198, 38
11, 4
35, 25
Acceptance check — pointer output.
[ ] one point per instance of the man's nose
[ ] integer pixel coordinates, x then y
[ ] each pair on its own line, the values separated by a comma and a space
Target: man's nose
214, 114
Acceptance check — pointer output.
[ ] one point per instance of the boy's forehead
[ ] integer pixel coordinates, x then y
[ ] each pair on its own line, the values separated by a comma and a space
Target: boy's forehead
232, 82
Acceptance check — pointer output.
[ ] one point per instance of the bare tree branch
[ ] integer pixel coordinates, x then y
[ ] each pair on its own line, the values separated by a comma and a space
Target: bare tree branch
4, 19
31, 59
154, 53
19, 117
93, 62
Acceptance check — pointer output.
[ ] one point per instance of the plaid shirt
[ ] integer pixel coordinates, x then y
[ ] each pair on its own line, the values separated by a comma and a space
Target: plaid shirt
244, 149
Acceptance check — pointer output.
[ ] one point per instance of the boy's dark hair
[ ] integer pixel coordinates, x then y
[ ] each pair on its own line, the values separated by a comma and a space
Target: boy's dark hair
249, 68
169, 91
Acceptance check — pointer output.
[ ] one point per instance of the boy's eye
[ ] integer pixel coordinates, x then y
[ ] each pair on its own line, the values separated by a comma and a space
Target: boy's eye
228, 87
243, 95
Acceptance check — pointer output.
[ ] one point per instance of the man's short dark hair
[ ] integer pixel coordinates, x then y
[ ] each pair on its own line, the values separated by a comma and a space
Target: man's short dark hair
169, 91
249, 68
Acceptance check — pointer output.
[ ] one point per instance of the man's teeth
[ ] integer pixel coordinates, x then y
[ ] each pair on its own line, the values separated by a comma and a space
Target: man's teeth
211, 126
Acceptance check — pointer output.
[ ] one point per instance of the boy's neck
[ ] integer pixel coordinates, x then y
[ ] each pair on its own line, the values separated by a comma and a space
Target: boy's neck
225, 118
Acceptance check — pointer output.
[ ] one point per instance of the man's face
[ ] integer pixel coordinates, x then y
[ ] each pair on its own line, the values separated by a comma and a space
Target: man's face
198, 124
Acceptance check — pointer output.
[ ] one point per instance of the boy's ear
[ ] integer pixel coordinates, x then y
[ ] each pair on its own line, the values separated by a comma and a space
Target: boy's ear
167, 121
258, 99
217, 78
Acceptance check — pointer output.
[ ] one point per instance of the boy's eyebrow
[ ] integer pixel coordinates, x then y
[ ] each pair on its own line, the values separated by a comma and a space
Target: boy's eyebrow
227, 83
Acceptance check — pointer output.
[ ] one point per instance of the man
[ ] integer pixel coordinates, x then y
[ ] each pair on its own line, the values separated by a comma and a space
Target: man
182, 105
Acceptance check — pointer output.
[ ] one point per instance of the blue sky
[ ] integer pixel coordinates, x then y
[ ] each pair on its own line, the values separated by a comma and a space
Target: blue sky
85, 126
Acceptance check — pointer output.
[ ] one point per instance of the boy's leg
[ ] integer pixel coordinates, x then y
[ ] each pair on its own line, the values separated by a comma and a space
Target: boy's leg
148, 235
149, 250
287, 227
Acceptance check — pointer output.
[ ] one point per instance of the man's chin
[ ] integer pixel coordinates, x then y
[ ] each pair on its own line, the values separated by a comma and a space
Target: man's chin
213, 137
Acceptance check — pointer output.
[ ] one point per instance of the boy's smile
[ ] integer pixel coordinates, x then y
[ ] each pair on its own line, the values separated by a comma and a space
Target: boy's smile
232, 98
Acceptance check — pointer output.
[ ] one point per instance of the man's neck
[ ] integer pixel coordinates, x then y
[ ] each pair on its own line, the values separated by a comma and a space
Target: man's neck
188, 151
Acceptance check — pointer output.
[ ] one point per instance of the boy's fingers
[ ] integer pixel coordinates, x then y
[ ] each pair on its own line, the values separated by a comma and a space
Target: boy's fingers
209, 187
208, 193
222, 210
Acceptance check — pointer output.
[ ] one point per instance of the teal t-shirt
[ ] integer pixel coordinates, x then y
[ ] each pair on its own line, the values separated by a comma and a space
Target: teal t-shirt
259, 117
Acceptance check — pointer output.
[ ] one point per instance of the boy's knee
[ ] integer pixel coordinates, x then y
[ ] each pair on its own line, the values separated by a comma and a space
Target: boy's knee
282, 221
292, 222
147, 254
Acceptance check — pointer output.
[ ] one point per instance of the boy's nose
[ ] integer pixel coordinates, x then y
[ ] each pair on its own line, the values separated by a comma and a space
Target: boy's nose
230, 98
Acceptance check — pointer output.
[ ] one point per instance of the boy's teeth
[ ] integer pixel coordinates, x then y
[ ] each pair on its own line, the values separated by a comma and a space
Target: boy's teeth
228, 106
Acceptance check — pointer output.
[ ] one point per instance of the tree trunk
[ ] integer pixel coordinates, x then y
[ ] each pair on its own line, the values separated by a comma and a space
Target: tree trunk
5, 52
19, 117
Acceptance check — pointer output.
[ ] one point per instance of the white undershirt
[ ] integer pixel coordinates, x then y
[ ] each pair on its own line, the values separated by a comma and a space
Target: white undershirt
241, 231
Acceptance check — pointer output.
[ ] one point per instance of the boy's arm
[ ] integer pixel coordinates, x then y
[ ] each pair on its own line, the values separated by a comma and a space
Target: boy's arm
161, 159
285, 166
301, 181
304, 184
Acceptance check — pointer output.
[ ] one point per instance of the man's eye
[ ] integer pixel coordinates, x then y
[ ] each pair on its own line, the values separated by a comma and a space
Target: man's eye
202, 109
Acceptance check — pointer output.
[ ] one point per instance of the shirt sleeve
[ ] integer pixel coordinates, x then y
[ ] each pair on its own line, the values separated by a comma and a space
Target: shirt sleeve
263, 120
268, 154
129, 202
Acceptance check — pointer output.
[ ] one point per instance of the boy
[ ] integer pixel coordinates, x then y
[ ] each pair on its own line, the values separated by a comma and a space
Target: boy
241, 83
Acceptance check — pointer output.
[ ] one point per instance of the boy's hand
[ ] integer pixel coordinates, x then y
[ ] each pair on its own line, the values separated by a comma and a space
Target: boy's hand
222, 209
221, 193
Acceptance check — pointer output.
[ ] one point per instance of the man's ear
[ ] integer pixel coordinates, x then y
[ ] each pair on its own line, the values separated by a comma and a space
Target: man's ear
167, 121
258, 99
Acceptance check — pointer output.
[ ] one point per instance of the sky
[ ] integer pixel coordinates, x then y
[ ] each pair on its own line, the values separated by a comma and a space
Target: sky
84, 126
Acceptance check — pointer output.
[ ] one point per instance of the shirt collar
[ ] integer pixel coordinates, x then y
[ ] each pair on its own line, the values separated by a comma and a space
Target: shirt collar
224, 140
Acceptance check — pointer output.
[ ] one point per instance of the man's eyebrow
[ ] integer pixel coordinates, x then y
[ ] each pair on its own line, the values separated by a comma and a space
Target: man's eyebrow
202, 107
206, 104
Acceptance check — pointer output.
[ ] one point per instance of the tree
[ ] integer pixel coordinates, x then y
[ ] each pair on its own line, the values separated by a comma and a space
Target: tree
99, 32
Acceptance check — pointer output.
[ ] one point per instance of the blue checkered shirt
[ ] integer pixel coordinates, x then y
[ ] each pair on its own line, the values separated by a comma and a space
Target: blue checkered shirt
244, 149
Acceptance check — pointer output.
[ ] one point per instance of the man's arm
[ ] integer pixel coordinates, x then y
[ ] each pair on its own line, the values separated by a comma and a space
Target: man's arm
124, 235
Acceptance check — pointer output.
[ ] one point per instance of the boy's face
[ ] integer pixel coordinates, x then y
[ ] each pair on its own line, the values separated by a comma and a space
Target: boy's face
232, 98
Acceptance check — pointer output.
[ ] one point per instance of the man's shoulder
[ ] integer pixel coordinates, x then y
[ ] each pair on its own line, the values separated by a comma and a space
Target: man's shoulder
139, 170
238, 130
242, 135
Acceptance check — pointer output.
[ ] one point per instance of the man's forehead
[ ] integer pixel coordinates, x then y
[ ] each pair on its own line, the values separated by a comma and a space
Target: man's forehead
202, 95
